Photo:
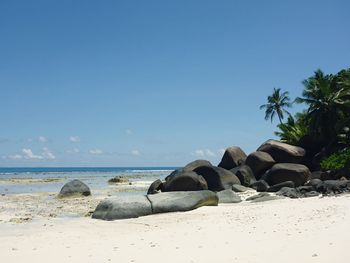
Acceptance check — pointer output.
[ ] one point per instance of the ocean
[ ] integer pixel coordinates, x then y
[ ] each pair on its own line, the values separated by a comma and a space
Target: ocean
26, 180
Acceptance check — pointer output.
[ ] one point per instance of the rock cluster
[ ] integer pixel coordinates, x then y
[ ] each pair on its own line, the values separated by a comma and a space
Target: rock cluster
275, 167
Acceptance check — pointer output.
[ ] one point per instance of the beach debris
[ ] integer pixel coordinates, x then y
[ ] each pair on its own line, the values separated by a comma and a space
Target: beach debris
233, 157
119, 180
74, 188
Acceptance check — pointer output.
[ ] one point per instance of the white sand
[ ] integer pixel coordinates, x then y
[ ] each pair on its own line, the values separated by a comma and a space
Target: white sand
303, 230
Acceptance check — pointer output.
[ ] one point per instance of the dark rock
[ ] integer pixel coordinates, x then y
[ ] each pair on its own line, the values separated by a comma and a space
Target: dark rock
195, 164
182, 201
259, 162
289, 192
118, 180
313, 183
228, 196
333, 187
262, 197
311, 194
185, 181
282, 152
155, 187
75, 188
189, 168
283, 172
123, 207
217, 178
305, 189
277, 187
233, 156
322, 175
240, 188
260, 186
244, 174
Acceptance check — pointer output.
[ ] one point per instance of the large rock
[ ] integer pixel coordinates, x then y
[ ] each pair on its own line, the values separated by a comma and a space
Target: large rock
233, 156
182, 201
282, 152
217, 178
244, 174
195, 164
260, 186
123, 207
188, 168
185, 181
228, 196
282, 172
155, 187
74, 188
240, 188
259, 162
333, 187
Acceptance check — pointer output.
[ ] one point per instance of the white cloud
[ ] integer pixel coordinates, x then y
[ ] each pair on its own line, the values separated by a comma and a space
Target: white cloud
135, 152
74, 139
128, 131
28, 154
206, 153
42, 139
14, 157
47, 154
96, 151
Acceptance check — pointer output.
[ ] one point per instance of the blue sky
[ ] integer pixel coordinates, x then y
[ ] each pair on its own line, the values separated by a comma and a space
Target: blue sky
154, 83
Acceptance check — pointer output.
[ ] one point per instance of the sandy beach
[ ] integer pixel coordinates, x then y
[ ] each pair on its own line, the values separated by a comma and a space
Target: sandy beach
289, 230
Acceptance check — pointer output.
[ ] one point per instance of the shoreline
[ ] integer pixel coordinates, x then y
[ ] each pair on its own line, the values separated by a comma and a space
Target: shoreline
308, 230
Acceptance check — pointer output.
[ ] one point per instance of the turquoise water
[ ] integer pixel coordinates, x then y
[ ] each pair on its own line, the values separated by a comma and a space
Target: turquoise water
32, 180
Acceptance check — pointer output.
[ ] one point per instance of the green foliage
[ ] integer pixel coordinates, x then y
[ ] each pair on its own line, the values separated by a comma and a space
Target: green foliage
276, 104
337, 161
292, 131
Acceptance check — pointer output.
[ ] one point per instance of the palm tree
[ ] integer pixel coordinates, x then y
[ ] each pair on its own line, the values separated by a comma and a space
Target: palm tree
276, 104
328, 101
293, 130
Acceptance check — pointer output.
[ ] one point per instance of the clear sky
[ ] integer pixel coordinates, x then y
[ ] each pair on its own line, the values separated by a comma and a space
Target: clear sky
154, 83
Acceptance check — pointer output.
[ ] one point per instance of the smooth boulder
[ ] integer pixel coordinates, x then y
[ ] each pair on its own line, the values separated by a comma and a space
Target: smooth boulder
182, 201
282, 152
228, 196
185, 181
260, 186
282, 172
123, 208
74, 188
155, 187
244, 174
195, 164
240, 188
259, 162
217, 178
233, 157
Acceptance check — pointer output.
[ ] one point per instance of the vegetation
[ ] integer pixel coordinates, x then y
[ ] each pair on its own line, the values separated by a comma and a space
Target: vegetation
276, 104
326, 119
337, 161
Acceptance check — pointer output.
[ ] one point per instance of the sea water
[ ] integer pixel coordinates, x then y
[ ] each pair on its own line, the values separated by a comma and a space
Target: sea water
36, 180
